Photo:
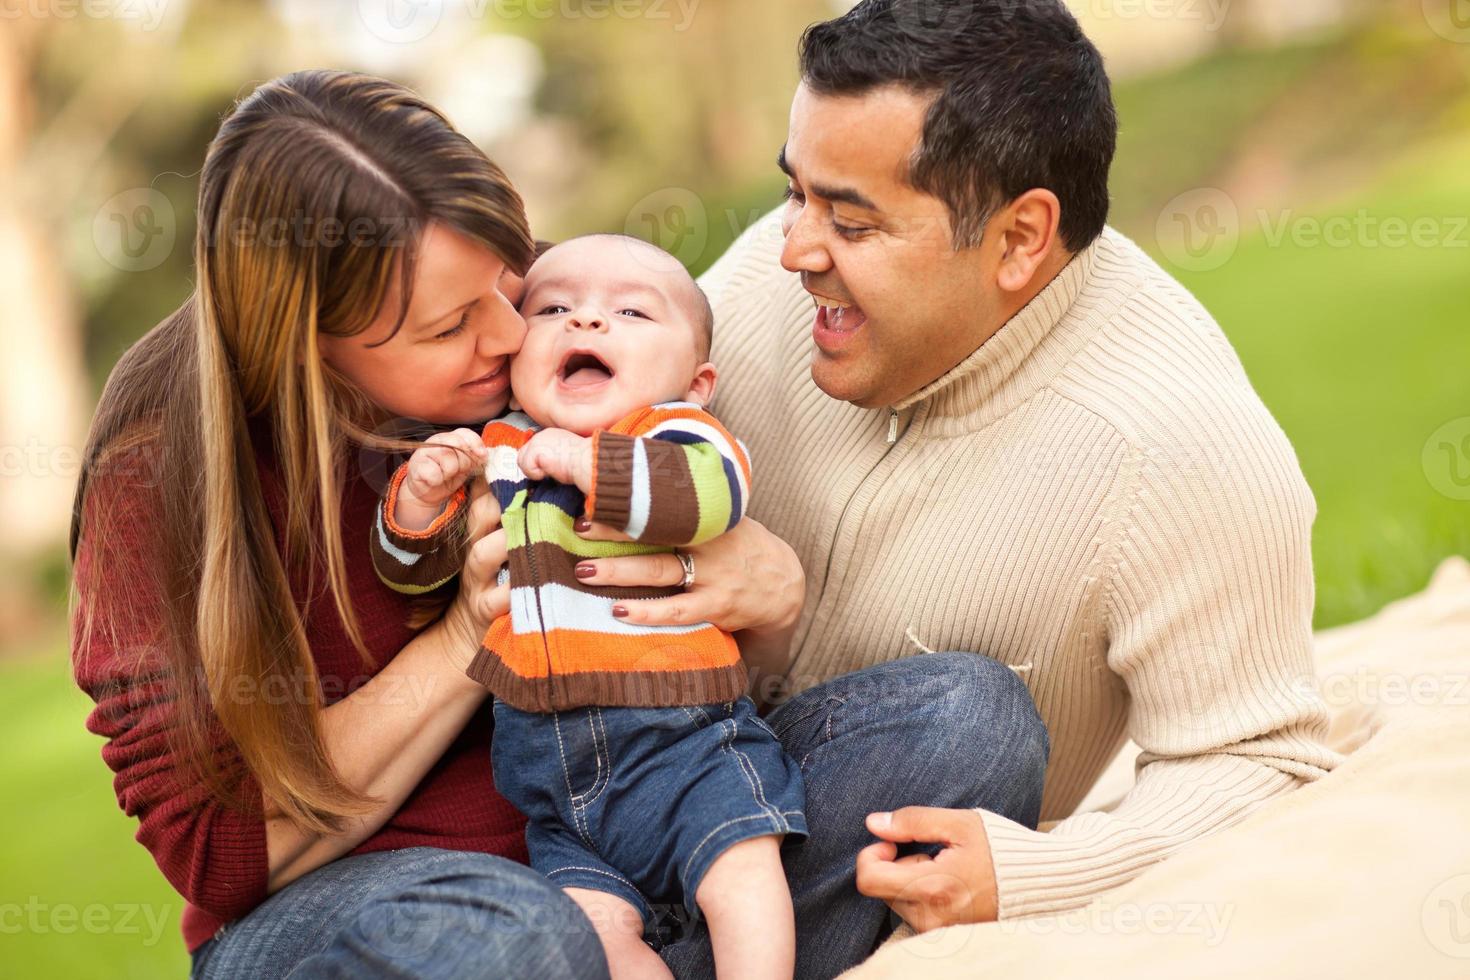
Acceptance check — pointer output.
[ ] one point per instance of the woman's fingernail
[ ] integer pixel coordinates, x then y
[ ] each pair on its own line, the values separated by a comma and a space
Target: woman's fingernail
620, 612
581, 524
585, 571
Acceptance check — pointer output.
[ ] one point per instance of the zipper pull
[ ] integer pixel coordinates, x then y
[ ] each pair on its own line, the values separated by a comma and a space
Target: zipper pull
892, 426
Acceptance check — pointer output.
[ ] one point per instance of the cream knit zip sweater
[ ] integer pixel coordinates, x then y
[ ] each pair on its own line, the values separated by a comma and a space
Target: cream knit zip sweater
1095, 497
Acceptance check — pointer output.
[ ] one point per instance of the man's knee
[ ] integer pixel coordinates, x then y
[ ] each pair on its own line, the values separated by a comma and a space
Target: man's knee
985, 694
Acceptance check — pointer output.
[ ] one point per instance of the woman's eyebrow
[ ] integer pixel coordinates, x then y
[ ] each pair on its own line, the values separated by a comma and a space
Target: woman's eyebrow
434, 321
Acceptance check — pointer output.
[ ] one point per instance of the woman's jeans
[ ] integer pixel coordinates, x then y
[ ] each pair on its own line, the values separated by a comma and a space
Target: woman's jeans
943, 729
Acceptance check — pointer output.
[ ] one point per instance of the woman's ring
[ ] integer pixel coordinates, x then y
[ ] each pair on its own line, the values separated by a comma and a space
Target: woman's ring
688, 562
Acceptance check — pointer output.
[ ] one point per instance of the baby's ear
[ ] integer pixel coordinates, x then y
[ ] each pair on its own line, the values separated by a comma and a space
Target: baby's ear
702, 388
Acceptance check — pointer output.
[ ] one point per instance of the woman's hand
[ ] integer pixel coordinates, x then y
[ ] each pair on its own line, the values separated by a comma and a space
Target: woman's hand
480, 600
746, 579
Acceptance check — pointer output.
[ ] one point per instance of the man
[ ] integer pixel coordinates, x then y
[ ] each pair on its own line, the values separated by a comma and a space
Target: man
987, 422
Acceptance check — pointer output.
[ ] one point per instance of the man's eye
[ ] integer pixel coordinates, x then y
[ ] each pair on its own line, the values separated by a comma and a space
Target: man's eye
850, 231
792, 194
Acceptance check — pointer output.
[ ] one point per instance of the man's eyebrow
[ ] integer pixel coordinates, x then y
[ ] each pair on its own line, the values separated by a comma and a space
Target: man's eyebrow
839, 195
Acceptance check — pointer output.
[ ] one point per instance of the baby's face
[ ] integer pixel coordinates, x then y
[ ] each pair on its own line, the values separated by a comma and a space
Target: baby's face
610, 329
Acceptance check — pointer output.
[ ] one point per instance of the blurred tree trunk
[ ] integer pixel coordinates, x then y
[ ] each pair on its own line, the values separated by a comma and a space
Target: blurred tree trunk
42, 381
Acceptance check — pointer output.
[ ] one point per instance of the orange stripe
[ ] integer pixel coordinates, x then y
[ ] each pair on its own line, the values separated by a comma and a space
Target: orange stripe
438, 523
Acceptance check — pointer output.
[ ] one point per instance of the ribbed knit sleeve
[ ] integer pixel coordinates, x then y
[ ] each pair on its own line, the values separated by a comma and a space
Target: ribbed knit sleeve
670, 474
213, 855
415, 562
1208, 607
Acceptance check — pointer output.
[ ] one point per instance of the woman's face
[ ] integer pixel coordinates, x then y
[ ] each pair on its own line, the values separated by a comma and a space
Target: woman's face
450, 361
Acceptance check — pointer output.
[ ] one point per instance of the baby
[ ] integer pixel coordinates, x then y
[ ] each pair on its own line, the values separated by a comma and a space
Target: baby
640, 764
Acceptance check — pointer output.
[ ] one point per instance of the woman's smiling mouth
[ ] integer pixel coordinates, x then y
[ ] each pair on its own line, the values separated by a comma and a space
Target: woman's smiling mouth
492, 382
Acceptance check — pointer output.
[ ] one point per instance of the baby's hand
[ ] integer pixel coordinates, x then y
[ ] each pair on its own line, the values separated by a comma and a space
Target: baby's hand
559, 455
435, 472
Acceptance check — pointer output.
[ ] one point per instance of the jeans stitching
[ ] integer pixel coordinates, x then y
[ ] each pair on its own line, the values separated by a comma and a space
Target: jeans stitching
598, 871
604, 763
694, 854
747, 769
577, 816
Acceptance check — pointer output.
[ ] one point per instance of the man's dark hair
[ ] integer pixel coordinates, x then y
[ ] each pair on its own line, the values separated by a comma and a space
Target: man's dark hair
1021, 101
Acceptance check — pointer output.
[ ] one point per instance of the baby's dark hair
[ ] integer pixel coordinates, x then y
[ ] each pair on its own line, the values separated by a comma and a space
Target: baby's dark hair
699, 309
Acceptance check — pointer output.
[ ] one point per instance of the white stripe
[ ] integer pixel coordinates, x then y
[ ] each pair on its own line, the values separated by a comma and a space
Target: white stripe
568, 608
639, 502
404, 557
715, 438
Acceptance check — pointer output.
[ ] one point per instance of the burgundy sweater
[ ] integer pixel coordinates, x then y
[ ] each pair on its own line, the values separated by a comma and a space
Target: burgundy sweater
213, 855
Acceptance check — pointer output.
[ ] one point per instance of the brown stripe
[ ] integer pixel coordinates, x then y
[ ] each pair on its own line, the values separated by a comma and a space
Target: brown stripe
432, 568
630, 689
673, 510
552, 564
613, 479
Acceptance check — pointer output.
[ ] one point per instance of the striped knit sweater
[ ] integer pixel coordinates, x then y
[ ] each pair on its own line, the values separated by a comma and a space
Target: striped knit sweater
1095, 497
666, 475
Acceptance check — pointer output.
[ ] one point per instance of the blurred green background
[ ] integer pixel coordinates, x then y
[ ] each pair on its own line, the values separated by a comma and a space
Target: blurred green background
1304, 168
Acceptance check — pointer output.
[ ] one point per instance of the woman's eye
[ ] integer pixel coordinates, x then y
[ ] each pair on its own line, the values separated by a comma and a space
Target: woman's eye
456, 329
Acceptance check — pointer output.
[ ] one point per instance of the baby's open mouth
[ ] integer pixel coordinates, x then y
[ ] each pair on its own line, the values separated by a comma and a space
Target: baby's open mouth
582, 369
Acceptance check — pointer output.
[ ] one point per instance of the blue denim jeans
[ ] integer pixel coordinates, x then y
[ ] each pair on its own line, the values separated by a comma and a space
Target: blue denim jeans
942, 729
593, 781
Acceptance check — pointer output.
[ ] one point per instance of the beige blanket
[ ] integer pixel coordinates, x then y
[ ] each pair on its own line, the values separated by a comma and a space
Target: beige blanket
1365, 873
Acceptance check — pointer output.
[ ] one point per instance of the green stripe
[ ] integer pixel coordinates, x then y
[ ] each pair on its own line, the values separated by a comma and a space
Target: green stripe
553, 526
707, 468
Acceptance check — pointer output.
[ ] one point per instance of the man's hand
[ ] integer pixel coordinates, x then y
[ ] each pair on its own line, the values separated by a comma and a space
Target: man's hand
558, 455
955, 887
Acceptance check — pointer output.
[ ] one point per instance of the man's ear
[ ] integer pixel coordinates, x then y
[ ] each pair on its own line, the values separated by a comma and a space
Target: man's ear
702, 388
1028, 227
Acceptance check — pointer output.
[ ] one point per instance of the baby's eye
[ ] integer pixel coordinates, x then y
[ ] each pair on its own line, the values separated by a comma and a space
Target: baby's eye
551, 310
632, 312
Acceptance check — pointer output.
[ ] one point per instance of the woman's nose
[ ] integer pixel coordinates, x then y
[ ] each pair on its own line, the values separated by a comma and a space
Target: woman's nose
505, 334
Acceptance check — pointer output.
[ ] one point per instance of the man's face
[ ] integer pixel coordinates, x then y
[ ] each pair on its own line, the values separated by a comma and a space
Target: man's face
863, 239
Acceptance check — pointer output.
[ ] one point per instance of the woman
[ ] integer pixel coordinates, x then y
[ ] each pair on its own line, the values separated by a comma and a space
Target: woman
309, 770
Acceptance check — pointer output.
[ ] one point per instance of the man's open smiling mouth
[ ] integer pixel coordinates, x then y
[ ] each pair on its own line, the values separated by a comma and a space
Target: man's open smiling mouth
837, 322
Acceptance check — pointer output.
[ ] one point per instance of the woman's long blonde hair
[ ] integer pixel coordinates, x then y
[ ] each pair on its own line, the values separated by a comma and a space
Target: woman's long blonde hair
313, 195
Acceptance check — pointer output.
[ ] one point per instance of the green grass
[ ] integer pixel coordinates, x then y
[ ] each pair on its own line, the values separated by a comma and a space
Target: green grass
80, 897
1362, 353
